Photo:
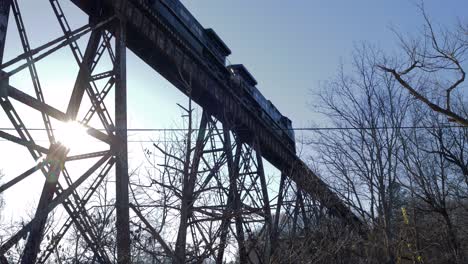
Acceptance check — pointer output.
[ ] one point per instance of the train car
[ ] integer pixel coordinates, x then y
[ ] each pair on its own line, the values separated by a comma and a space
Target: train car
216, 46
251, 95
176, 16
205, 42
240, 70
287, 123
273, 112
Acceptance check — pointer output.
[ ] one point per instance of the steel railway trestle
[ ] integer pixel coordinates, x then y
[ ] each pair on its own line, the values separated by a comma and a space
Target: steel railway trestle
244, 201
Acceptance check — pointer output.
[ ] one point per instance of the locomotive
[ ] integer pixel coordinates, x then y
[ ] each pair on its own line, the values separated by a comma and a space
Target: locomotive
211, 48
254, 98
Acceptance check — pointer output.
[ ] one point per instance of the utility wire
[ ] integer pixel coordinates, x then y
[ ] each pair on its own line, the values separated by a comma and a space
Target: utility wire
275, 129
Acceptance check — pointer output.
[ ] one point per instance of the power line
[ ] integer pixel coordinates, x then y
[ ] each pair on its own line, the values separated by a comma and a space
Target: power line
275, 129
128, 141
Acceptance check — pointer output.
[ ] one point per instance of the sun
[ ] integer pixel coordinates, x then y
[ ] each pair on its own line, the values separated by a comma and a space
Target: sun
72, 135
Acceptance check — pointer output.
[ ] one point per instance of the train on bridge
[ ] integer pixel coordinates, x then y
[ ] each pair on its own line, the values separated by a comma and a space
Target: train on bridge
209, 46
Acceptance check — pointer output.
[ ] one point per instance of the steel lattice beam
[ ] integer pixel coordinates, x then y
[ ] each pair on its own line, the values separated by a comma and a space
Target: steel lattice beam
78, 216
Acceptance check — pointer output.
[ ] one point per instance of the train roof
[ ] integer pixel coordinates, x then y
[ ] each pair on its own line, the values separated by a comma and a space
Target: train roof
212, 34
240, 69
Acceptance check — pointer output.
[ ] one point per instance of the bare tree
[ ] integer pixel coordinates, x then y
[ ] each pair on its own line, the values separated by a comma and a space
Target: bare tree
359, 159
435, 163
159, 190
326, 241
396, 163
434, 65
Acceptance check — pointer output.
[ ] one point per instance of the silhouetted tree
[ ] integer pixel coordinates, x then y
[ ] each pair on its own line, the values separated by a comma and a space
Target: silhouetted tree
433, 64
435, 160
360, 159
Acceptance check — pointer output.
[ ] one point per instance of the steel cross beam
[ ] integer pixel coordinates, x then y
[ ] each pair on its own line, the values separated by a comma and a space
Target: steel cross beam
37, 229
35, 236
62, 198
87, 64
257, 216
26, 137
31, 66
87, 196
91, 64
49, 188
58, 153
233, 206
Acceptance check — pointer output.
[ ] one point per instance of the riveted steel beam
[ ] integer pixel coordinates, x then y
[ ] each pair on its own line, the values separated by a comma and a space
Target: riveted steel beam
120, 146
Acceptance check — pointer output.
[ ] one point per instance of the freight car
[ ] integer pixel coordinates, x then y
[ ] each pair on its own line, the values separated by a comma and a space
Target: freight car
211, 48
205, 42
253, 97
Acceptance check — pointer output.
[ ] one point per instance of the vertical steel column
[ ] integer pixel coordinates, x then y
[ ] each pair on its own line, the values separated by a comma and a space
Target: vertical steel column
120, 145
4, 15
226, 222
233, 190
266, 203
279, 203
305, 219
299, 206
233, 206
226, 218
296, 215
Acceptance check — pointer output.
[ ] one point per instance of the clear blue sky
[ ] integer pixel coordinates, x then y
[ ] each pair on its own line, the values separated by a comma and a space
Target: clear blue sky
289, 46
